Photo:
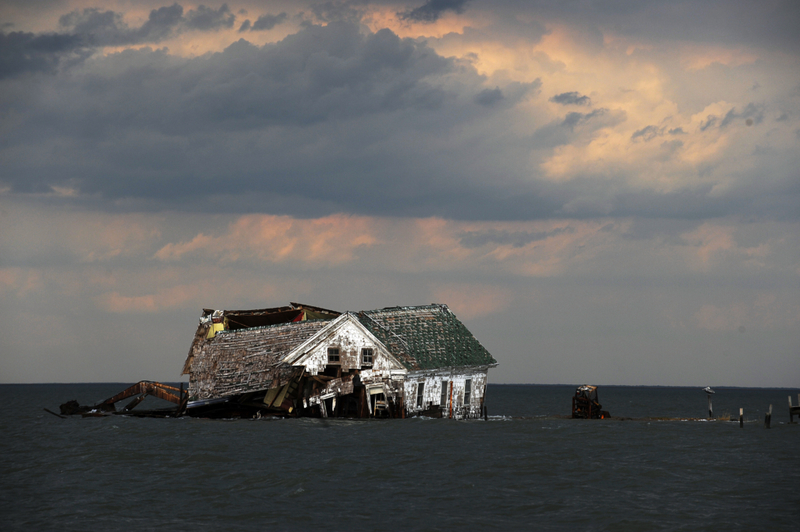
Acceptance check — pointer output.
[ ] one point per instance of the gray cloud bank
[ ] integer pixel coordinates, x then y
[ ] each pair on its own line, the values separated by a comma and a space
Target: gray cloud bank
332, 118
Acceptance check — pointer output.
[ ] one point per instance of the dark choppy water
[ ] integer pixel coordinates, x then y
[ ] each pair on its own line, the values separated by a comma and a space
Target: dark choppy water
523, 469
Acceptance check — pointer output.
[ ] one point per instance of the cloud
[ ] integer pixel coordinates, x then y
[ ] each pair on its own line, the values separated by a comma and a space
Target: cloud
86, 30
470, 301
432, 10
647, 133
340, 118
516, 239
574, 119
169, 298
205, 18
571, 98
264, 22
489, 97
107, 28
331, 240
22, 52
752, 113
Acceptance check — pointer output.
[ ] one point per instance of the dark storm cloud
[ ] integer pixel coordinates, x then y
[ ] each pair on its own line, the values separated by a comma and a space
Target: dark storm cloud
330, 119
85, 30
574, 119
337, 12
205, 18
489, 97
319, 75
267, 22
22, 52
431, 10
730, 22
571, 98
106, 28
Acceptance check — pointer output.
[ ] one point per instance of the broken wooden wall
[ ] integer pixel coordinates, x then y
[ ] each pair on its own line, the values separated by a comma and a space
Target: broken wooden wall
235, 362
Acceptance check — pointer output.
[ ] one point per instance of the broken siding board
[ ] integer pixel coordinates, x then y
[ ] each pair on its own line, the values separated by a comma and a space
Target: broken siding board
245, 360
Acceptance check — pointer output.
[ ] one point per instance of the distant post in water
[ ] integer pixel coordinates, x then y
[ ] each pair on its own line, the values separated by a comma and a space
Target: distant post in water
741, 417
794, 409
709, 391
768, 418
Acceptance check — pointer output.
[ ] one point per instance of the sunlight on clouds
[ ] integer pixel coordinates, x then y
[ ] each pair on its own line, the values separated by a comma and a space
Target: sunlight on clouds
20, 281
708, 241
698, 57
161, 291
172, 297
330, 240
470, 301
712, 243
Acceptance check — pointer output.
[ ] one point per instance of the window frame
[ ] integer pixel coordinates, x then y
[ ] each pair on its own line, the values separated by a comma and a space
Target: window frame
334, 352
364, 355
420, 394
467, 391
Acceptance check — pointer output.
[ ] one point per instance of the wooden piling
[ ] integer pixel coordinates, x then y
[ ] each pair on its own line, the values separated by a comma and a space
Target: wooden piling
741, 417
794, 409
710, 408
768, 418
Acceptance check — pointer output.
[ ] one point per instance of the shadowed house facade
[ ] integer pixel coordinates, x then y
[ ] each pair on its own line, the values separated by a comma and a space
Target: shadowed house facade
302, 360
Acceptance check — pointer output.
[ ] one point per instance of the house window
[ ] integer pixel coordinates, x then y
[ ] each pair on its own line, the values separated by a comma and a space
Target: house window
443, 400
420, 393
333, 355
467, 391
366, 356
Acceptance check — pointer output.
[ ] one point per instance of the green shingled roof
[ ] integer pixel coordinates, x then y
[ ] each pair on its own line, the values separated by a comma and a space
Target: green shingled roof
426, 337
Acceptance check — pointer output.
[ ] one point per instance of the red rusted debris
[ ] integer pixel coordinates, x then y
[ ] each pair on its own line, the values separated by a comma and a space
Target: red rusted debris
140, 390
302, 360
585, 404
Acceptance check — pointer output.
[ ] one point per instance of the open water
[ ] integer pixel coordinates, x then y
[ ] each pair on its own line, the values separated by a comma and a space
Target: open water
525, 468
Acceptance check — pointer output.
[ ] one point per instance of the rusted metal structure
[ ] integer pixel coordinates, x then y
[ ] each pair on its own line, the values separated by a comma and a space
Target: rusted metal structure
585, 404
302, 360
139, 392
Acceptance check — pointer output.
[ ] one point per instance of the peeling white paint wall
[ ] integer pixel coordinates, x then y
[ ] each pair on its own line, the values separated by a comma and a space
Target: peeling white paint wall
350, 340
432, 391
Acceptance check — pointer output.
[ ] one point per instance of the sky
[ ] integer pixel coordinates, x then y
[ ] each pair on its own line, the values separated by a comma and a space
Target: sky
603, 192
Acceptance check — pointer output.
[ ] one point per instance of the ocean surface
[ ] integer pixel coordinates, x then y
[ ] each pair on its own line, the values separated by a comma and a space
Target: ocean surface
529, 467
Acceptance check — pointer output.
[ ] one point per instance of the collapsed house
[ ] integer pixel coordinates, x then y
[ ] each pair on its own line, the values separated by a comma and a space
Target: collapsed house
302, 360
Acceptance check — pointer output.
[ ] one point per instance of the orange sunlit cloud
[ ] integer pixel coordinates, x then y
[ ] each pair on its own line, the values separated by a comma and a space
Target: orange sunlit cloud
330, 240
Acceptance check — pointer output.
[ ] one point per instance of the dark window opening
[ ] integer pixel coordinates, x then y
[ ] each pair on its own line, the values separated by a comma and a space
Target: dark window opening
366, 356
420, 393
333, 355
443, 400
467, 391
